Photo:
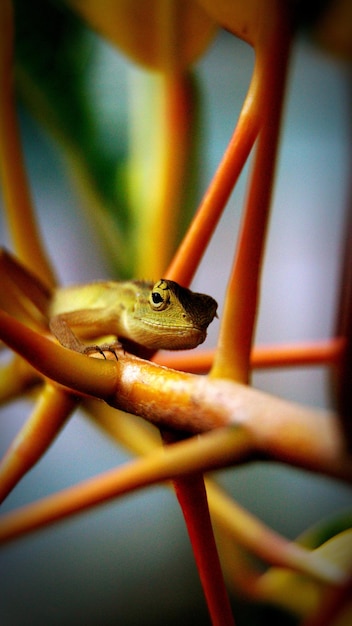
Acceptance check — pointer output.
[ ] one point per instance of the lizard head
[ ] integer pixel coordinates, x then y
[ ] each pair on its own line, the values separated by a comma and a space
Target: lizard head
168, 316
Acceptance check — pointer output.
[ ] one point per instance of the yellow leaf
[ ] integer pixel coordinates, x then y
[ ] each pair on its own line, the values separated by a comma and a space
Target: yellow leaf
338, 550
300, 593
164, 35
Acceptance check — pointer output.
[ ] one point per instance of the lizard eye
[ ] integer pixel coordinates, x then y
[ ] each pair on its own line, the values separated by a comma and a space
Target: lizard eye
159, 298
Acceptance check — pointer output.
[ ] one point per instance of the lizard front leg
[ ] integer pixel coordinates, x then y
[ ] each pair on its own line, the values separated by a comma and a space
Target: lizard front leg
61, 327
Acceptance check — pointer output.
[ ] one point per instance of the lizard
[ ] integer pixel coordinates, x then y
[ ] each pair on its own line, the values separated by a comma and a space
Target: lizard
161, 315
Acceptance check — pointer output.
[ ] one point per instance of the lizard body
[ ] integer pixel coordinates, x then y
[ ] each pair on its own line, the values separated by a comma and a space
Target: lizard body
163, 315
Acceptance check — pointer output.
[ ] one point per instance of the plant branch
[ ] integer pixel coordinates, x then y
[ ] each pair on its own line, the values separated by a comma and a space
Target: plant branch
160, 153
219, 448
179, 459
52, 409
194, 244
230, 518
329, 352
18, 204
232, 358
272, 427
192, 497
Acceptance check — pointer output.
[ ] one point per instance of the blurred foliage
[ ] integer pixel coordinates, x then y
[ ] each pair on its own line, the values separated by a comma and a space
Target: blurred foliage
301, 594
54, 53
320, 533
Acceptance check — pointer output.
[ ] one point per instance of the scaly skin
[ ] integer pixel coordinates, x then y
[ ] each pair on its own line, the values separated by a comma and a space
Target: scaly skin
163, 315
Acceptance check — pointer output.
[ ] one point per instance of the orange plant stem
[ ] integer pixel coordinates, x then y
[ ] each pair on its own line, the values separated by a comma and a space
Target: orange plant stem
191, 490
232, 359
177, 460
327, 352
18, 204
192, 497
313, 443
193, 246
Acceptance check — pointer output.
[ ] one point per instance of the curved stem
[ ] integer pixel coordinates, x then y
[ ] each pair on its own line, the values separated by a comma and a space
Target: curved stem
232, 520
252, 534
19, 210
232, 358
314, 443
193, 246
64, 366
282, 430
176, 460
51, 411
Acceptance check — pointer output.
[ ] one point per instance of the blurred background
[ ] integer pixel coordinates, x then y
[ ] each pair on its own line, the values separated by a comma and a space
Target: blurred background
129, 562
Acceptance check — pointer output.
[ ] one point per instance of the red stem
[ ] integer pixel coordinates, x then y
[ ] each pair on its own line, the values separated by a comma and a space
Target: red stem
192, 497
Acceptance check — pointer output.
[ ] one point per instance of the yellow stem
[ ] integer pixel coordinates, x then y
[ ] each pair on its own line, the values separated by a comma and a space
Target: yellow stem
176, 460
52, 409
20, 214
230, 518
160, 147
265, 543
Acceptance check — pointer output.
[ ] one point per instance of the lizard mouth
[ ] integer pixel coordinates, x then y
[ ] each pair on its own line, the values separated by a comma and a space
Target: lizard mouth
169, 337
186, 327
